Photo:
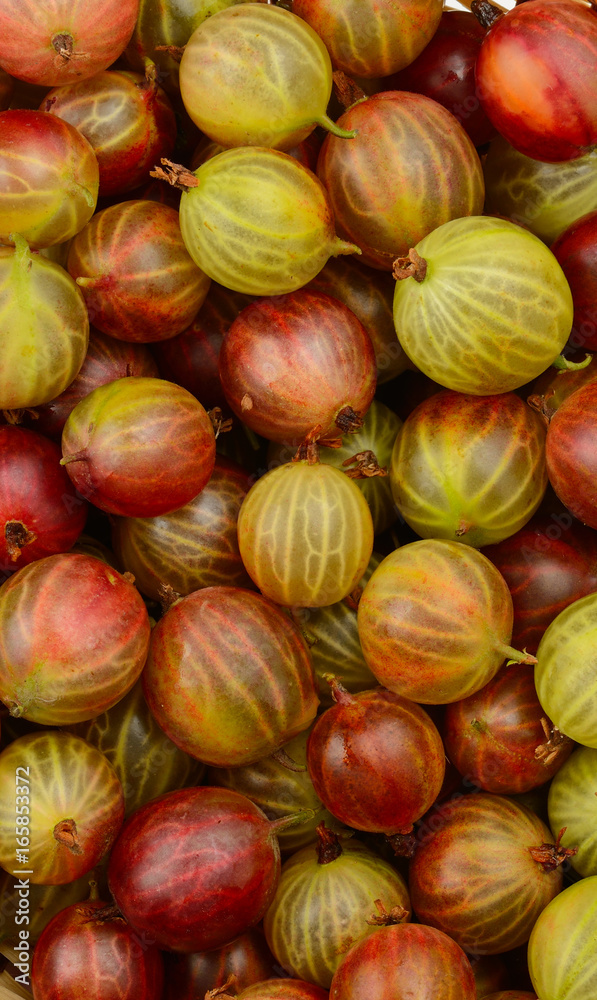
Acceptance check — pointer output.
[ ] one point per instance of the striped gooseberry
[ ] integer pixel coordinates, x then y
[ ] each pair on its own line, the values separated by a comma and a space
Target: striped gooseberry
410, 168
256, 221
137, 278
247, 958
76, 805
572, 807
139, 447
277, 106
45, 328
85, 622
127, 119
484, 871
566, 668
49, 178
63, 41
571, 453
404, 961
567, 972
394, 769
576, 251
305, 534
195, 868
369, 38
292, 362
470, 468
435, 621
78, 955
228, 677
195, 546
481, 305
323, 904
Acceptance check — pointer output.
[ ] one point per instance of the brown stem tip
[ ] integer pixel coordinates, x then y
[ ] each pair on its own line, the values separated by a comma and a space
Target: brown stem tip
555, 743
65, 832
412, 266
365, 466
308, 449
348, 420
220, 424
403, 844
63, 44
168, 597
175, 52
385, 918
486, 13
220, 991
17, 535
328, 845
551, 856
346, 91
175, 174
353, 599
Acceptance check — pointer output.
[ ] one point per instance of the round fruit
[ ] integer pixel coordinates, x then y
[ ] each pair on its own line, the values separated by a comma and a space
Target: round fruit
485, 306
66, 801
305, 534
139, 447
572, 806
567, 972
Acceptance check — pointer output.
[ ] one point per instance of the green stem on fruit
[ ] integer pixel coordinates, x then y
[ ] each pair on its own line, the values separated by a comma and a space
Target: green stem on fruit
516, 656
563, 365
286, 761
277, 826
339, 693
340, 247
328, 845
330, 126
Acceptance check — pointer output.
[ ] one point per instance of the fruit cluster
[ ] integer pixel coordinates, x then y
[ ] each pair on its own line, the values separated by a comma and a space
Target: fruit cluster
298, 453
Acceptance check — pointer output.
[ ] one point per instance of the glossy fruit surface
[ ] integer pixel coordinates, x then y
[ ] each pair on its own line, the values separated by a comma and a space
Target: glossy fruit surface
565, 671
405, 958
234, 105
145, 760
279, 791
567, 972
445, 72
495, 286
39, 510
435, 621
469, 468
323, 905
548, 564
60, 42
67, 801
493, 735
259, 222
576, 251
534, 78
49, 179
105, 959
248, 959
572, 804
474, 877
208, 653
283, 989
195, 546
106, 359
386, 186
45, 328
570, 453
139, 447
291, 362
369, 38
127, 119
376, 760
543, 197
305, 534
178, 856
369, 295
137, 277
84, 624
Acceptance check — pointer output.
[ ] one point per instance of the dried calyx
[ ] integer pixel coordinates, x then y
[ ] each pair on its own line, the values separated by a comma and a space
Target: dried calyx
385, 918
411, 266
551, 856
555, 743
175, 174
328, 845
364, 465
